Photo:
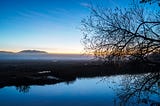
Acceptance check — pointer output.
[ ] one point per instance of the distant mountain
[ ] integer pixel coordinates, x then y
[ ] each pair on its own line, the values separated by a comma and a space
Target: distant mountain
33, 51
39, 55
5, 52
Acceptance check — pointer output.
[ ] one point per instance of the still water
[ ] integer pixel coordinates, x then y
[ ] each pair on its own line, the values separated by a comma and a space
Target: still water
99, 91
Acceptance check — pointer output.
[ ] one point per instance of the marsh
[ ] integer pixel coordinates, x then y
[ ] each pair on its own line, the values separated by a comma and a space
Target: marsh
77, 82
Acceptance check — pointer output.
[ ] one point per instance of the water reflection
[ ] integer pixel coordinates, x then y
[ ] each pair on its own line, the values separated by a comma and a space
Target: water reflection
23, 88
139, 90
123, 90
26, 88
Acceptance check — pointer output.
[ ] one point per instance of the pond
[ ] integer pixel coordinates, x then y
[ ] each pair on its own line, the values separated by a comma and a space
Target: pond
143, 89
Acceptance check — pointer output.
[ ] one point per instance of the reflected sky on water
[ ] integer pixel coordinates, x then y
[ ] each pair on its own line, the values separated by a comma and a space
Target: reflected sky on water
100, 91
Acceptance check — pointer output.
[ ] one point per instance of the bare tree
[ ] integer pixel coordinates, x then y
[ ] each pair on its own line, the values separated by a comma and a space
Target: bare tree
112, 34
150, 1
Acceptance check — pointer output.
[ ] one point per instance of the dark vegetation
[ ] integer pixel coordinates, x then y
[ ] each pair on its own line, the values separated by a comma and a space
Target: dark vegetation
36, 72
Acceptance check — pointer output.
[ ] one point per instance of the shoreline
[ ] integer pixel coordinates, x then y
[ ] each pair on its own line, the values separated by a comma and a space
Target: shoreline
36, 72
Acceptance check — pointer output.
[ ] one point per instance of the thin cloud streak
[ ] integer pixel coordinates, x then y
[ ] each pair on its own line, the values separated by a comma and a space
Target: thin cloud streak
85, 4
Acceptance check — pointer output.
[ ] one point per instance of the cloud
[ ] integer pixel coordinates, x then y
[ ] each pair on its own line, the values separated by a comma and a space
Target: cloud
85, 4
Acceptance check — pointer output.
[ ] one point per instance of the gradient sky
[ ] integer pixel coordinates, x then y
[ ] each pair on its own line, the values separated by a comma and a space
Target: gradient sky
49, 25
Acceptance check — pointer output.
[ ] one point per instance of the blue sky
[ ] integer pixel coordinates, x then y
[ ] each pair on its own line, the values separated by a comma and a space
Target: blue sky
49, 25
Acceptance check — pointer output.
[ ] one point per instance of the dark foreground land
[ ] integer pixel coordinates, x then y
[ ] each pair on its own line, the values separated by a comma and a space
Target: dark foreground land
40, 72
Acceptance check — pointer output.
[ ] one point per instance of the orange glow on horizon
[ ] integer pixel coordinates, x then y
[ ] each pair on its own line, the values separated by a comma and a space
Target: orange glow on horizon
48, 51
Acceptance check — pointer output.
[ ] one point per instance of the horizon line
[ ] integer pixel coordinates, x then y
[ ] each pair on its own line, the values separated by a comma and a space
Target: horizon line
16, 51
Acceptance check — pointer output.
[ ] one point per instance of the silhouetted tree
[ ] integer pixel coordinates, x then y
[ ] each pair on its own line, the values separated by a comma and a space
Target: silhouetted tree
150, 1
113, 34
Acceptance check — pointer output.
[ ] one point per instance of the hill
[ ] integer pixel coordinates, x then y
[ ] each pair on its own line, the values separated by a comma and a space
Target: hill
33, 51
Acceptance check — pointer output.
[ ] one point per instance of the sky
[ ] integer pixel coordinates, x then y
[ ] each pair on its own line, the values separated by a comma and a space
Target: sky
48, 25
